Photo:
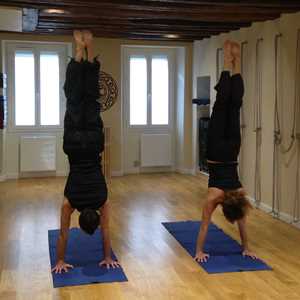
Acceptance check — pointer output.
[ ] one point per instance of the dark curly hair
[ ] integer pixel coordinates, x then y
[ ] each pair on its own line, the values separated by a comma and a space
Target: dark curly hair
89, 220
235, 205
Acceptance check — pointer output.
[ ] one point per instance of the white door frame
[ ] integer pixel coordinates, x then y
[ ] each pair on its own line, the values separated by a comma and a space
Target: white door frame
126, 51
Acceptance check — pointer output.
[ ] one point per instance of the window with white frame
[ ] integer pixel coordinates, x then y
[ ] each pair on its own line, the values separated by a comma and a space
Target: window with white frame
36, 75
149, 100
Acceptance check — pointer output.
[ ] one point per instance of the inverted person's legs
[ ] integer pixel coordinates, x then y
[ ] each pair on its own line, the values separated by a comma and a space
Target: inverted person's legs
218, 120
237, 93
236, 79
74, 89
93, 121
233, 129
74, 83
217, 132
92, 69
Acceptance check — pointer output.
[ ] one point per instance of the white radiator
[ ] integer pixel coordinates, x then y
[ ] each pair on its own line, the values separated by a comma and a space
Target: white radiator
156, 150
37, 153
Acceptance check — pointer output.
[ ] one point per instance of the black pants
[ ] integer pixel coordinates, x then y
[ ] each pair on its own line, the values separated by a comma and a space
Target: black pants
224, 137
83, 126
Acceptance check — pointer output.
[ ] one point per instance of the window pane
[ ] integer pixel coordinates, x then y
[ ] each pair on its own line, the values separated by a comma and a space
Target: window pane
160, 91
49, 78
138, 91
24, 89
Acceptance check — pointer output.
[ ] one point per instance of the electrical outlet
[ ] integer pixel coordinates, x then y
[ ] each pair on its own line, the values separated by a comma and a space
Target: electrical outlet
136, 163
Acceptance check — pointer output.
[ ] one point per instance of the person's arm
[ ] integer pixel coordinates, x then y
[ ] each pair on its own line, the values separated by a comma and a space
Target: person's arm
104, 224
207, 211
244, 238
66, 212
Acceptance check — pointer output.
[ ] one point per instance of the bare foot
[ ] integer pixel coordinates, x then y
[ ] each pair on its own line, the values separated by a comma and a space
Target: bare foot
80, 45
227, 51
236, 53
235, 50
87, 37
78, 37
228, 58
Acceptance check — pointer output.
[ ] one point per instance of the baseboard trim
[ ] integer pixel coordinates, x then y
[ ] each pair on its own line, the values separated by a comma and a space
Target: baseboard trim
149, 170
61, 173
287, 218
12, 176
185, 171
132, 171
32, 175
37, 174
203, 173
117, 173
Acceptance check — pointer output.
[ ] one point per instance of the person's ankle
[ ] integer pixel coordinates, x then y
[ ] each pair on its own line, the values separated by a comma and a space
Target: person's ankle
79, 53
227, 66
236, 66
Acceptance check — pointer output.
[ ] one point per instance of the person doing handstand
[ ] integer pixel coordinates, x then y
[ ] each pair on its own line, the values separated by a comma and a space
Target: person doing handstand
83, 143
223, 147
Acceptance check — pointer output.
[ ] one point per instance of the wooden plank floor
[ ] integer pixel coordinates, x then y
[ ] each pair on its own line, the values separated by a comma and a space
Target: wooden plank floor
156, 265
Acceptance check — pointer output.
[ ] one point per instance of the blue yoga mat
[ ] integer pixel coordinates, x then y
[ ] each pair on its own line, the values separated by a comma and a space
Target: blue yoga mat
225, 253
84, 252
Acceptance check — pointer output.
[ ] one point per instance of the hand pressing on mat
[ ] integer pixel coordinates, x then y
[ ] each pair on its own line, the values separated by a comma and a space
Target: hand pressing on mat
244, 238
201, 257
104, 225
61, 266
249, 253
109, 262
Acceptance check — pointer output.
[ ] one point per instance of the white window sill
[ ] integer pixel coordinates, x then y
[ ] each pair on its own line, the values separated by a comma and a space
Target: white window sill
35, 129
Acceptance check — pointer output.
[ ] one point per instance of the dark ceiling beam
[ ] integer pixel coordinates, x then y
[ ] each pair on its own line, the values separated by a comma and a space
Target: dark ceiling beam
144, 9
199, 9
136, 35
181, 39
179, 15
152, 19
145, 22
127, 26
237, 3
185, 35
160, 7
176, 15
136, 30
294, 4
188, 23
104, 8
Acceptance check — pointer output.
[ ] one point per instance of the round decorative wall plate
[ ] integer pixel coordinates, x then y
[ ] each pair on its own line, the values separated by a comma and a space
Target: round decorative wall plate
108, 91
